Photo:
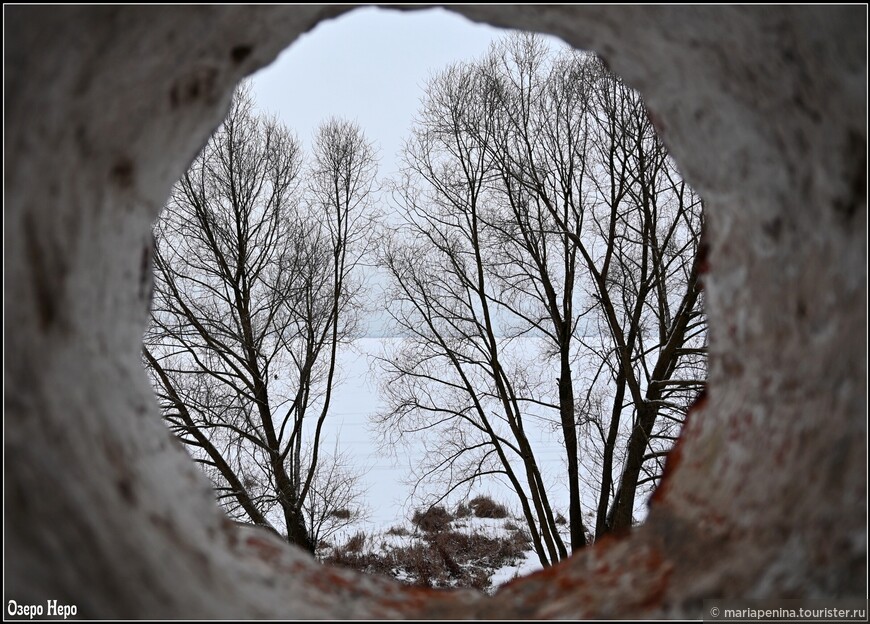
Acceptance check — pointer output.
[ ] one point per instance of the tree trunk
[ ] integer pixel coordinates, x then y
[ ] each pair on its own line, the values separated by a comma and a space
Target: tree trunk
602, 524
569, 431
297, 533
624, 504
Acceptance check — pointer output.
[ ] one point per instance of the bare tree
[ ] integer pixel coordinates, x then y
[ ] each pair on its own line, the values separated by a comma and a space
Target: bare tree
254, 293
642, 266
537, 202
334, 497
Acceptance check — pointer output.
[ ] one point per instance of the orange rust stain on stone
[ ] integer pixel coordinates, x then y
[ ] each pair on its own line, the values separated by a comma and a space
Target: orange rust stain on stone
656, 594
575, 588
263, 549
333, 582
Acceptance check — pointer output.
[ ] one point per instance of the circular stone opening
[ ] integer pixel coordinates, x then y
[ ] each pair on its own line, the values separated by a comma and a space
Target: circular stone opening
766, 497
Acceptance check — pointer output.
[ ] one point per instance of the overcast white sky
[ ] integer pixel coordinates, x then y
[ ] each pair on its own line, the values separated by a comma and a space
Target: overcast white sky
369, 65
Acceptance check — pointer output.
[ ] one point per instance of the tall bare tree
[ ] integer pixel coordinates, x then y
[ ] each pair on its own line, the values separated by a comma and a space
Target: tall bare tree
538, 202
254, 292
642, 268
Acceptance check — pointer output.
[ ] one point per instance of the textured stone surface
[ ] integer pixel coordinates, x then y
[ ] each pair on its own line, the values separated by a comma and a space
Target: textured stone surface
764, 109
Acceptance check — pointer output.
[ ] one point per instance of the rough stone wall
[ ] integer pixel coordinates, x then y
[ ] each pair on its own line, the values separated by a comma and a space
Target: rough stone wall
764, 110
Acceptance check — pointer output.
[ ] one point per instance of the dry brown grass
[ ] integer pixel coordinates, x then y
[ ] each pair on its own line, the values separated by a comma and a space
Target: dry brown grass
485, 507
444, 558
356, 543
433, 520
462, 511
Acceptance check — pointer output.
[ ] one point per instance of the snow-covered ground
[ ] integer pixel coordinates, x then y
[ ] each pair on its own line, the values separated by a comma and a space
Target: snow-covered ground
489, 554
387, 474
510, 572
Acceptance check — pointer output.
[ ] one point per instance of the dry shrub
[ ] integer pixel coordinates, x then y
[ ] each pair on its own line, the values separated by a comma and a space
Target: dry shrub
341, 514
478, 548
370, 563
485, 507
418, 562
462, 511
355, 544
560, 519
433, 520
440, 559
398, 530
521, 539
